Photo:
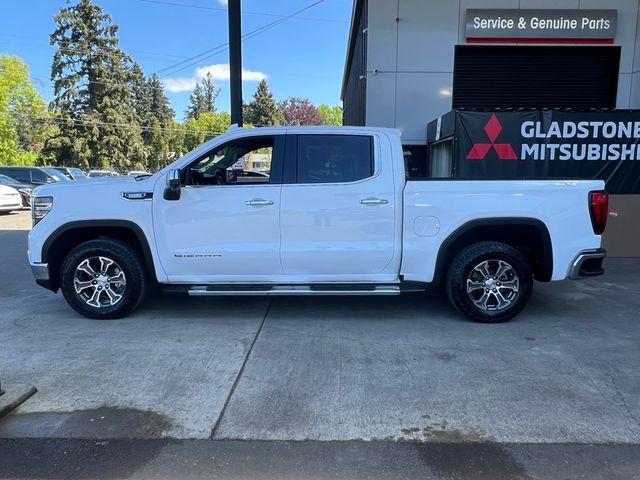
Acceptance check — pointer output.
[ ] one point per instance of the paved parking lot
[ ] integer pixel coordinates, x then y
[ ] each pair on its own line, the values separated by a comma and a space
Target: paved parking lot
395, 368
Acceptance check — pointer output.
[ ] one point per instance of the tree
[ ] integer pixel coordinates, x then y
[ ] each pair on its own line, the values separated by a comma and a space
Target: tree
209, 93
92, 81
262, 110
159, 147
330, 115
24, 125
160, 106
196, 103
203, 98
299, 111
141, 99
205, 127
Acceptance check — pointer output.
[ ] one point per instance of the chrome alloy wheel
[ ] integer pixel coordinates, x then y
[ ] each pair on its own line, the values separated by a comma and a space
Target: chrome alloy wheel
99, 281
493, 285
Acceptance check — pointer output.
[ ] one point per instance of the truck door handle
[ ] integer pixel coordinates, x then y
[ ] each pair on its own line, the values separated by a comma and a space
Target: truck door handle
374, 201
258, 202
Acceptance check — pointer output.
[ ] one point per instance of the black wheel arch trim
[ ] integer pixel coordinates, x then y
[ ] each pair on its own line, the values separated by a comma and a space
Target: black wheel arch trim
539, 225
80, 224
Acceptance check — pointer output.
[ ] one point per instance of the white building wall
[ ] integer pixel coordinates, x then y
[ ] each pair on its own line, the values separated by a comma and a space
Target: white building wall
410, 56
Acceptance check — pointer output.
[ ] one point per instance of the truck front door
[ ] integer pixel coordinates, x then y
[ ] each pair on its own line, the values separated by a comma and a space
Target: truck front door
225, 226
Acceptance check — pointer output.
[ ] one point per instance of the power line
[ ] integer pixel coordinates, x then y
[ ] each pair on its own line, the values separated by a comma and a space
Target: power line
221, 9
195, 59
102, 124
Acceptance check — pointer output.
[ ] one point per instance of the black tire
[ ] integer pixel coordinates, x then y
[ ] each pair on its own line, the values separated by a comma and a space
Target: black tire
464, 275
126, 260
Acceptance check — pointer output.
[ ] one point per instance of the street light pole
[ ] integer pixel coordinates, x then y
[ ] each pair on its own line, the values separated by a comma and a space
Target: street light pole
235, 61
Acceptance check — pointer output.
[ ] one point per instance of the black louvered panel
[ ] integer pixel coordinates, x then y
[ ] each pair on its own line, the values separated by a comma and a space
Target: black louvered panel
535, 77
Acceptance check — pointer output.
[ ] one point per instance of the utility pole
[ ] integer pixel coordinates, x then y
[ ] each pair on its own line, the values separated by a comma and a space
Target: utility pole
235, 61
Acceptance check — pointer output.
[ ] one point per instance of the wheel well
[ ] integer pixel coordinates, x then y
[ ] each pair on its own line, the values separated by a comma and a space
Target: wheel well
529, 236
65, 239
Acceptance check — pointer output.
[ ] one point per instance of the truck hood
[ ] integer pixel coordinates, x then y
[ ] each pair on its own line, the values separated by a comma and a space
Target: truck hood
97, 184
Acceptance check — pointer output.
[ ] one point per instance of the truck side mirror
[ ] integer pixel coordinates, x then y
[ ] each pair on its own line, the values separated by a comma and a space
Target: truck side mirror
172, 192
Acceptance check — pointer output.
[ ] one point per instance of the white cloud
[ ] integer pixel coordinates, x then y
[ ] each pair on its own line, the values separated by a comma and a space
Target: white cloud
219, 72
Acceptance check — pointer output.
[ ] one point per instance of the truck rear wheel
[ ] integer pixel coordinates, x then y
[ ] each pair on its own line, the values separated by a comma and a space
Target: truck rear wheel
103, 279
489, 282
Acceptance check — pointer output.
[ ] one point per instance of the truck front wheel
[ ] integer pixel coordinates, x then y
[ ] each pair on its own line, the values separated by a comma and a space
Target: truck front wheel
103, 279
489, 282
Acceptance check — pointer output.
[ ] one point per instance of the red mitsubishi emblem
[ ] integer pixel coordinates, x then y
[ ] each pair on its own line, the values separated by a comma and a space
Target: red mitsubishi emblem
503, 150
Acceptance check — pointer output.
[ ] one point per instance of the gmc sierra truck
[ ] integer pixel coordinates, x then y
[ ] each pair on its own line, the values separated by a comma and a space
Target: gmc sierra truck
311, 211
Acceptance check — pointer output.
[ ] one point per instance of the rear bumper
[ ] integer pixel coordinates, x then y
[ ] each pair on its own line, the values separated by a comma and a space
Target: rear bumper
587, 263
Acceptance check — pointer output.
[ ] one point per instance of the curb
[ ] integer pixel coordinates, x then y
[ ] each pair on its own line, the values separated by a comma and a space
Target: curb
14, 396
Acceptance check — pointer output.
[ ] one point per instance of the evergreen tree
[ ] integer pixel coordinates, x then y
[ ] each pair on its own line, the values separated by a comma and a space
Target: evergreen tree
92, 88
203, 98
159, 145
262, 110
196, 103
142, 98
209, 94
160, 106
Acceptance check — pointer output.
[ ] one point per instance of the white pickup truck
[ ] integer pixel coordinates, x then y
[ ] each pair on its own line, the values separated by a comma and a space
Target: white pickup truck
311, 210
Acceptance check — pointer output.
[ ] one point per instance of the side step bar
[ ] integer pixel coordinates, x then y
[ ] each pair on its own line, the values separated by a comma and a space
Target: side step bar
205, 291
313, 289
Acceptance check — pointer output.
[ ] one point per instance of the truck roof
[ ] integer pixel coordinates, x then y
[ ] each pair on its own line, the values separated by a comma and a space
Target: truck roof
313, 129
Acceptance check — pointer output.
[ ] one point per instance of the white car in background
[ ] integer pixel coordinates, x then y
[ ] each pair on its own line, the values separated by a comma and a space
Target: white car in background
10, 199
102, 173
135, 173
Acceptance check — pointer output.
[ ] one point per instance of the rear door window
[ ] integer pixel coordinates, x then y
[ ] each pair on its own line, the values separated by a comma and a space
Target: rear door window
334, 158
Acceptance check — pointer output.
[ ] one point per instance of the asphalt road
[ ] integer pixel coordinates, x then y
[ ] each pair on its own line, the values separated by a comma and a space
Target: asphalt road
371, 387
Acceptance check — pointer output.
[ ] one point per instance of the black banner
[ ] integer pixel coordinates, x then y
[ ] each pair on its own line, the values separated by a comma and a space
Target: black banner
550, 144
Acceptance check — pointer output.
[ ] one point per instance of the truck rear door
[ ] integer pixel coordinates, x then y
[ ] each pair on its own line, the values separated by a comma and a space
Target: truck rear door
337, 209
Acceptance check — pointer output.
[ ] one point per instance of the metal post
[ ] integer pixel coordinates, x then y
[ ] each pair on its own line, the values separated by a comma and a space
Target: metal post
235, 61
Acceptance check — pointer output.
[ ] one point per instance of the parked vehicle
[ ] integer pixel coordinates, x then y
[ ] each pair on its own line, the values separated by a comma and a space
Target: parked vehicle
34, 175
72, 173
25, 189
102, 173
135, 173
9, 199
336, 216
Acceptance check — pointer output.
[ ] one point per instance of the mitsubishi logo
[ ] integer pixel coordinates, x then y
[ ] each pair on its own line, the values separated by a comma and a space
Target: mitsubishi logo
503, 150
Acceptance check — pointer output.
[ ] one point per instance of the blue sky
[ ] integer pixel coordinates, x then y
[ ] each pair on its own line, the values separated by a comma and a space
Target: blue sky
303, 56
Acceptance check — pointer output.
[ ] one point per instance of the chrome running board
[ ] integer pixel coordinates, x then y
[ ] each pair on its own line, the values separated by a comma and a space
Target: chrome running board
262, 290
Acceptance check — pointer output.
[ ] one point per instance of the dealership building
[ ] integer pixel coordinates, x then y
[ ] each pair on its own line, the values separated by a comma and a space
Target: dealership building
506, 89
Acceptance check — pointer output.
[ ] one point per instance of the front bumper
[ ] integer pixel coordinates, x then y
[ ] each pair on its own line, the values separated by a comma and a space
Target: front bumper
10, 207
40, 272
587, 263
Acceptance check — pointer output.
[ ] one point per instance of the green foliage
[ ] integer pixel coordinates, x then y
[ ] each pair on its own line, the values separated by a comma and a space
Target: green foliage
23, 120
205, 127
330, 115
263, 110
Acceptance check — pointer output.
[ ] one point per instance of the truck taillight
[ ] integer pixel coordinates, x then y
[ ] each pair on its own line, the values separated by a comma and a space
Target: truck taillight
599, 210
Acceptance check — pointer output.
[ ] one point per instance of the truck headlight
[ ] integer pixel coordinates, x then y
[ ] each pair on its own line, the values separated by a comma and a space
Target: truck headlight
41, 206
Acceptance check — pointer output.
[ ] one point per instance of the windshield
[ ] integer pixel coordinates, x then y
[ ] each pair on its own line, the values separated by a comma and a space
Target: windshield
57, 175
4, 180
77, 173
